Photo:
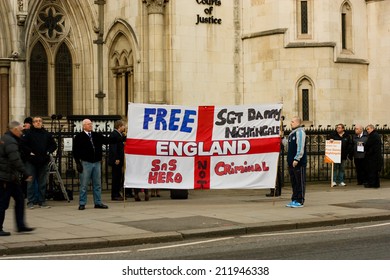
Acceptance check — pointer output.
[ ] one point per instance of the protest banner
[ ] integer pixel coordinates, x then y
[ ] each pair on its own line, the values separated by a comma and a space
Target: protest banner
332, 151
203, 147
332, 155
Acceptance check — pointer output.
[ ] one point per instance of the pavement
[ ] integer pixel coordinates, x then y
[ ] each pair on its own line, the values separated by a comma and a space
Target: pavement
206, 213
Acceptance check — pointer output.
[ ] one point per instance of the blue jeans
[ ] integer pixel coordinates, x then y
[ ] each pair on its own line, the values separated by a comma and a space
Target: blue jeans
339, 171
91, 171
39, 173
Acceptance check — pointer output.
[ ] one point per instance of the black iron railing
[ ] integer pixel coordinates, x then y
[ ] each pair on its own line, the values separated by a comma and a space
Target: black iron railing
317, 170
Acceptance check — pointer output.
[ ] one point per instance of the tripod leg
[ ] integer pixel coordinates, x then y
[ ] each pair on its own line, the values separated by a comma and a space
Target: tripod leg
54, 165
62, 185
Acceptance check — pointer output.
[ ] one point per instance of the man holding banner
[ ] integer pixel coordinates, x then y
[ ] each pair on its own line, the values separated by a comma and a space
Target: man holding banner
296, 161
346, 149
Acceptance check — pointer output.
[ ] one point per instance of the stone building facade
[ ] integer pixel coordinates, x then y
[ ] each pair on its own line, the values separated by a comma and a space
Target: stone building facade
327, 61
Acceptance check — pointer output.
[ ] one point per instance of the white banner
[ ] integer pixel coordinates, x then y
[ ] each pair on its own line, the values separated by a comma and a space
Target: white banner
209, 147
333, 151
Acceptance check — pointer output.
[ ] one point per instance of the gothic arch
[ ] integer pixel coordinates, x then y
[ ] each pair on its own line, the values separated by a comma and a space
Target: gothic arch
81, 21
122, 48
305, 99
6, 36
346, 18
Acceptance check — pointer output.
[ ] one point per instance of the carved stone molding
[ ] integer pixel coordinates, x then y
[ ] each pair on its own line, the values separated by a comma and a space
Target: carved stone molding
21, 14
51, 23
21, 5
155, 6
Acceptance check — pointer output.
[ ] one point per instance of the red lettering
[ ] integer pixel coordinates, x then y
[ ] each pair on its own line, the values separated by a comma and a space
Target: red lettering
156, 165
161, 177
164, 177
152, 178
172, 164
222, 168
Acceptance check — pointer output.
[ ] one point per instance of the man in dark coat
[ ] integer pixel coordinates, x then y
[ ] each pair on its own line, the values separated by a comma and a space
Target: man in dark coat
11, 171
37, 144
359, 141
373, 157
116, 159
88, 153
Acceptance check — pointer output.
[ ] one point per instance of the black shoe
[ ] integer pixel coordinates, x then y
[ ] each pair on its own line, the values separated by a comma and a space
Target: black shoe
101, 206
25, 229
4, 233
272, 194
118, 198
82, 207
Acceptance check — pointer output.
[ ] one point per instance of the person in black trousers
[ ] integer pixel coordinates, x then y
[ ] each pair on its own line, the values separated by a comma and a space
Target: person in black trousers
359, 141
11, 171
373, 157
116, 159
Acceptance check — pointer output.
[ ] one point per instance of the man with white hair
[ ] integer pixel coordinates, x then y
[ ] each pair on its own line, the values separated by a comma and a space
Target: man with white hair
359, 142
87, 153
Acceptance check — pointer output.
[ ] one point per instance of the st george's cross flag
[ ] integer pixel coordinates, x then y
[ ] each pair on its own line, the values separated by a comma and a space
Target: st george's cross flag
202, 147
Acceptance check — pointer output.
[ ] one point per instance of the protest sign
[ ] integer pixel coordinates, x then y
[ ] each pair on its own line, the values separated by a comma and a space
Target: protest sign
333, 151
203, 147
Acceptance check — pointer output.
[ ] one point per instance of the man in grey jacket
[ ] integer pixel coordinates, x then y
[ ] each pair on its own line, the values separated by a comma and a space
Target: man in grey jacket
12, 171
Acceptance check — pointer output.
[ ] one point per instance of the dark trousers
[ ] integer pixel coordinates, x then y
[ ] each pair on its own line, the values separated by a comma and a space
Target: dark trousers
117, 180
298, 183
361, 173
8, 190
373, 180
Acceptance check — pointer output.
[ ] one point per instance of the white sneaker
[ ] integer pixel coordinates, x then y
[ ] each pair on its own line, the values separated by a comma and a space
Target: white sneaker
343, 184
334, 184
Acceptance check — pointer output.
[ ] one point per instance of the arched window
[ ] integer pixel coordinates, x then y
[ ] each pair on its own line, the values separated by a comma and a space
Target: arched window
304, 19
346, 27
63, 84
305, 100
122, 68
38, 81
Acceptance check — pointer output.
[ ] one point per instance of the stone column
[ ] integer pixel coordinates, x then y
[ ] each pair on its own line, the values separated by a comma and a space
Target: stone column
99, 41
4, 95
157, 91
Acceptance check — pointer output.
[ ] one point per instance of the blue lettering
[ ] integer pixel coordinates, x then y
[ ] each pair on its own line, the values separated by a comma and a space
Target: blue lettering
161, 114
187, 119
173, 119
147, 117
